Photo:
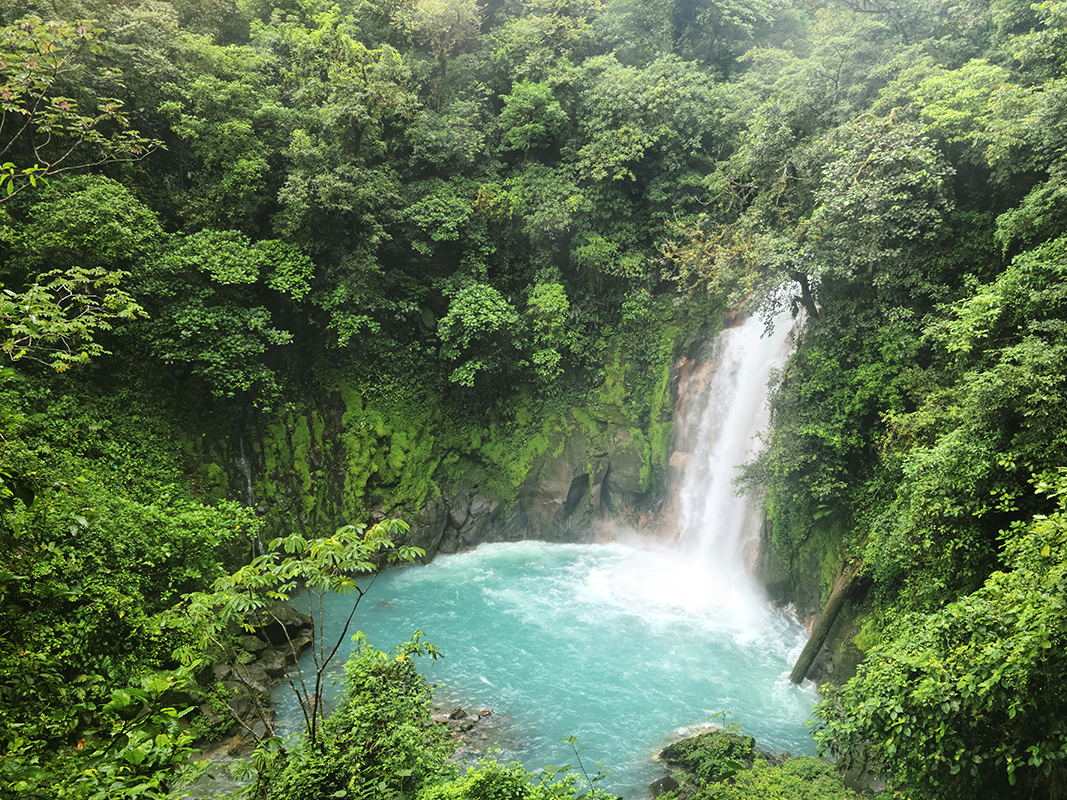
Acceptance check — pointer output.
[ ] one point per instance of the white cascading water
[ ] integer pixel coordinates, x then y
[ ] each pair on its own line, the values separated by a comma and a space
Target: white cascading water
721, 410
717, 524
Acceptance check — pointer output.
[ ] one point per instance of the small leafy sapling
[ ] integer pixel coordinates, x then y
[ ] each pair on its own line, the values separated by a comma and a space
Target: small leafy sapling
345, 564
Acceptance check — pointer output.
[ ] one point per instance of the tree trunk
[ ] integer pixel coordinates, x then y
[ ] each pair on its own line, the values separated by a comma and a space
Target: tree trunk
806, 298
842, 586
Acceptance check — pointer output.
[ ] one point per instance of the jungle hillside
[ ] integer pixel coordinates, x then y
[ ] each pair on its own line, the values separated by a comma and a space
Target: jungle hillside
280, 281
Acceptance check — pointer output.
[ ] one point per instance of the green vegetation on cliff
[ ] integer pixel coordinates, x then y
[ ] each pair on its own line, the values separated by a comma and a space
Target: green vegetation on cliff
340, 261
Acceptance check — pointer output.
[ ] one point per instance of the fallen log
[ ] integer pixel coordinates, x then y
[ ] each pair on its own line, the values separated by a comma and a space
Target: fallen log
842, 587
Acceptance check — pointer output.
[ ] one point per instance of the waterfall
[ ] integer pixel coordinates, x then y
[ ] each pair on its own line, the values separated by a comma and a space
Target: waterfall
244, 466
622, 644
722, 408
726, 412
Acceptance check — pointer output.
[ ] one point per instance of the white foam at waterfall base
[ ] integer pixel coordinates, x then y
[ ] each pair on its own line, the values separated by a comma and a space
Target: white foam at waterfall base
618, 645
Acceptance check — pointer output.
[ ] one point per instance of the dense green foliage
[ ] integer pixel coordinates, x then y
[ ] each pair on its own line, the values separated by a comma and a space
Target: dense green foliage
380, 742
724, 765
100, 537
478, 230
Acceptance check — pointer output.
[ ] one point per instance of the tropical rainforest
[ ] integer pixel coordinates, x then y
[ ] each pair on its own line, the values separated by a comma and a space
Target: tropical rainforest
462, 223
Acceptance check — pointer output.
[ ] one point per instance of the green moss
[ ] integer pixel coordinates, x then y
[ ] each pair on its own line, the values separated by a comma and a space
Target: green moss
712, 756
395, 444
591, 428
213, 482
610, 402
640, 443
301, 442
661, 421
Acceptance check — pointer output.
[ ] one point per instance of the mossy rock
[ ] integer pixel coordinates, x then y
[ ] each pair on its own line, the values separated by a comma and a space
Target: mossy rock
712, 756
722, 765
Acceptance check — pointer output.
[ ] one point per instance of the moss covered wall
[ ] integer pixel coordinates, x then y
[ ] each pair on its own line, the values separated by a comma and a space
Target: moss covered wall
530, 468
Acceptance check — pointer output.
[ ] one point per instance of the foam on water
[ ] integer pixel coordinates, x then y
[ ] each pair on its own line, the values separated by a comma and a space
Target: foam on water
570, 640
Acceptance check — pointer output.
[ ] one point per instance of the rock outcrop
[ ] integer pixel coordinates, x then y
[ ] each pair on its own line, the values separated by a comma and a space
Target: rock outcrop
247, 682
575, 492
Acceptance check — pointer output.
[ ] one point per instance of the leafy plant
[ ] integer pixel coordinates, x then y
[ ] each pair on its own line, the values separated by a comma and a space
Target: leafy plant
958, 700
381, 741
330, 565
43, 131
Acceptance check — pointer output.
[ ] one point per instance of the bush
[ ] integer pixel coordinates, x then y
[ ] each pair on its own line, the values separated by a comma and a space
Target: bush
490, 780
380, 743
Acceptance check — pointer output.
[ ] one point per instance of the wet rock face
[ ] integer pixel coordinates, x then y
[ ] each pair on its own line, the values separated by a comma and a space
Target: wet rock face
572, 493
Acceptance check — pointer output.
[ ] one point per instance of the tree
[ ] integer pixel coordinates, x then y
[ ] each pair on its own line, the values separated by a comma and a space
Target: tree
968, 699
669, 108
878, 190
205, 293
381, 741
70, 256
548, 311
445, 24
884, 188
544, 40
231, 133
720, 31
57, 320
990, 415
480, 332
335, 564
531, 118
44, 132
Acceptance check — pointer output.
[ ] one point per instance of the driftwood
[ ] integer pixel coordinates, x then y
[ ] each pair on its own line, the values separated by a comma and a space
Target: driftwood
842, 587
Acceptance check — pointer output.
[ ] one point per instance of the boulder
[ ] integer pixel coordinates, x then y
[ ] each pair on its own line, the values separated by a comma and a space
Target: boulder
253, 644
212, 716
480, 525
239, 699
282, 622
458, 506
662, 786
712, 755
255, 677
428, 528
298, 645
240, 745
628, 461
273, 662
